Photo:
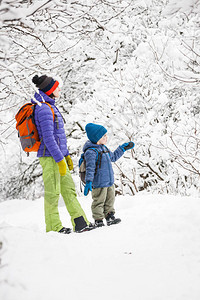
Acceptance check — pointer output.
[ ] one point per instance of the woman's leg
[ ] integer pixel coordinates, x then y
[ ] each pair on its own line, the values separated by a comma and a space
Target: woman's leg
68, 192
51, 178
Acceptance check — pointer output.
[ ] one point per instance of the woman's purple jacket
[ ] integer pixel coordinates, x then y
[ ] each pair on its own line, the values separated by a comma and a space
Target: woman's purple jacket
52, 133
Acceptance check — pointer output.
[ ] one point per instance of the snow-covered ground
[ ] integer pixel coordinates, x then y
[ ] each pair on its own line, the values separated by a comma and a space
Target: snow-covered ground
153, 254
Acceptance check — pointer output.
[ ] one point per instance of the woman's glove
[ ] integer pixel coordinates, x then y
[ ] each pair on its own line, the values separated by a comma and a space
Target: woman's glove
62, 167
88, 187
69, 162
127, 146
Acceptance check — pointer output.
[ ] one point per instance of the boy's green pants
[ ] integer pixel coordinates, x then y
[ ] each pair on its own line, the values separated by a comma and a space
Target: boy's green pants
54, 185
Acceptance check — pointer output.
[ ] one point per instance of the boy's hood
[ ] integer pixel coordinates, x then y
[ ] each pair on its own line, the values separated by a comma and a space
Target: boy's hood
89, 144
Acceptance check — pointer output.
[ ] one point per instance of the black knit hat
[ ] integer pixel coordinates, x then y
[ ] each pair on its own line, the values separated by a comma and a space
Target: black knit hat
45, 84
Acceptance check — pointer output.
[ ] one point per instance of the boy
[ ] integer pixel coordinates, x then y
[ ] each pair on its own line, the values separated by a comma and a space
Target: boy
99, 173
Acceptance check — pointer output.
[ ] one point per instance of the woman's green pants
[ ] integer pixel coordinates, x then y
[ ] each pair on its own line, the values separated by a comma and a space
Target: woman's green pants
54, 185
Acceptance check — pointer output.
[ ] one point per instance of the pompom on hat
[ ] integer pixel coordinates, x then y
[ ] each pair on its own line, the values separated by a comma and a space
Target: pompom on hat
45, 84
95, 132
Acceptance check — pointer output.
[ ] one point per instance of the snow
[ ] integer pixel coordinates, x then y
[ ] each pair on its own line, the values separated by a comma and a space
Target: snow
132, 66
152, 254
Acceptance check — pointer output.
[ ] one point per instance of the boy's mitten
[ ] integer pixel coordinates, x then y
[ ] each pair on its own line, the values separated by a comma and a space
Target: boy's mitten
69, 162
127, 146
88, 187
62, 167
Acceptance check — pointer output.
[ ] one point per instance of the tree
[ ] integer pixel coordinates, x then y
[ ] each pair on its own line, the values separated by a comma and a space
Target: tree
131, 66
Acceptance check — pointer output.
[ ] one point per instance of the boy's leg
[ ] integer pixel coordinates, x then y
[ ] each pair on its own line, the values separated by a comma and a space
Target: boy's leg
110, 199
99, 197
68, 192
51, 178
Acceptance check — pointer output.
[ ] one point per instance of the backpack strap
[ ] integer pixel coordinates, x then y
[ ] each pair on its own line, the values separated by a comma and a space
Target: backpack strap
52, 110
98, 158
101, 152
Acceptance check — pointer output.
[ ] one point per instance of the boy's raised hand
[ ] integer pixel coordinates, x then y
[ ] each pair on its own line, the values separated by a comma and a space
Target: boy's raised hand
127, 146
88, 187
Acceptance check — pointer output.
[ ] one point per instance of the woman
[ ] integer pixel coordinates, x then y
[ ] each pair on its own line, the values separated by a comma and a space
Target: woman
55, 159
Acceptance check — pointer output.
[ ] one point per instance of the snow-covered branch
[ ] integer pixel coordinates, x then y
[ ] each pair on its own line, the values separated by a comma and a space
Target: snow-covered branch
124, 64
17, 10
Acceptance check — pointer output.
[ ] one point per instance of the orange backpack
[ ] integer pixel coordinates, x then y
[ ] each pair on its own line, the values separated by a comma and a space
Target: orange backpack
26, 127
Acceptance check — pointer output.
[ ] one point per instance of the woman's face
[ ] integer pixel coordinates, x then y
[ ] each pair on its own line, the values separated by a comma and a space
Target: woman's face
56, 92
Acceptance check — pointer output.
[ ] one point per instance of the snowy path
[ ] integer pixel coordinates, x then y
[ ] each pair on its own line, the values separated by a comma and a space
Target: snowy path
153, 254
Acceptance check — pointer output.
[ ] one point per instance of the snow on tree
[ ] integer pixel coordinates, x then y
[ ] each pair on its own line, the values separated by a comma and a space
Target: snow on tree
132, 66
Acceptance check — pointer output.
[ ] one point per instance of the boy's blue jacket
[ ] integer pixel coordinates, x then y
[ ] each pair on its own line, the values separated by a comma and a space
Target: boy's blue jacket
52, 132
104, 177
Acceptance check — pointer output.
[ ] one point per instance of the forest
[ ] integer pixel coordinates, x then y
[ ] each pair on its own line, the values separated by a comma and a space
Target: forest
131, 66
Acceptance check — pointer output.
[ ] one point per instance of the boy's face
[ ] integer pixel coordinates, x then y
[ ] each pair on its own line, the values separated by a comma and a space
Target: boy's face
103, 140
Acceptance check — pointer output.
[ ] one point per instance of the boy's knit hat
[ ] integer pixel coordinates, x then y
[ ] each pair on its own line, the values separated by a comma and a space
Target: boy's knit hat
95, 132
45, 84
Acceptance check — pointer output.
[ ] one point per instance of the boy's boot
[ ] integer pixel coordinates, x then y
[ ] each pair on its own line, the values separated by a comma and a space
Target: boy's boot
99, 223
110, 219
